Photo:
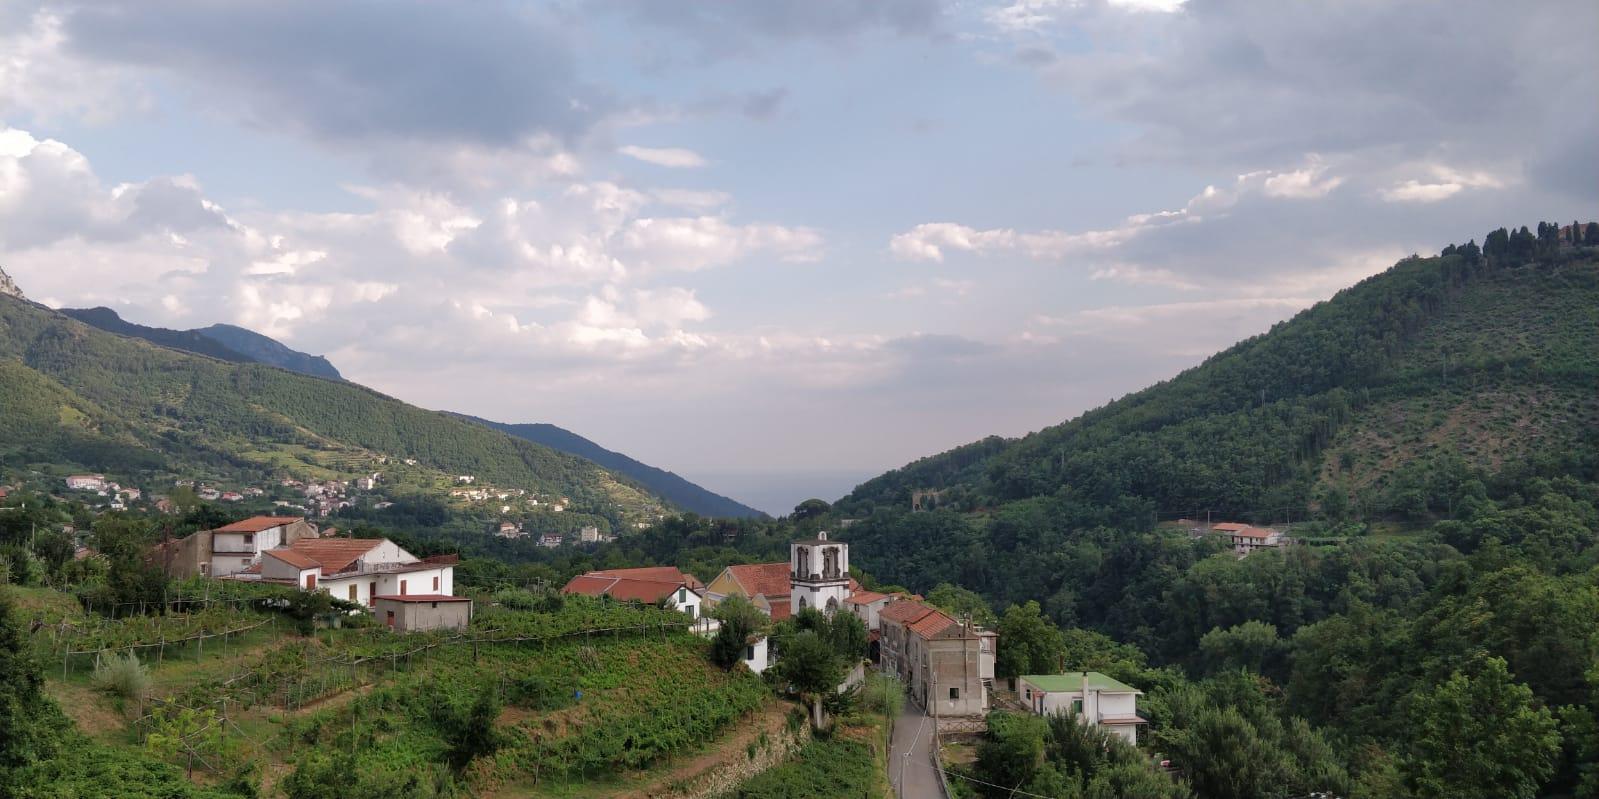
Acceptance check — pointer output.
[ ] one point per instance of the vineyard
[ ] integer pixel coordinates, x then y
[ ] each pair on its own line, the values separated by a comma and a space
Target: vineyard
588, 690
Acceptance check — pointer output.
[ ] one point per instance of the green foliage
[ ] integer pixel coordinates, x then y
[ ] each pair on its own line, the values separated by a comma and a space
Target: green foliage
739, 621
1478, 736
467, 728
1032, 644
961, 602
833, 767
122, 676
883, 694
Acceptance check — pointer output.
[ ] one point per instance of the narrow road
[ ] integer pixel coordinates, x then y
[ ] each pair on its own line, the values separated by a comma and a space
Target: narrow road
911, 758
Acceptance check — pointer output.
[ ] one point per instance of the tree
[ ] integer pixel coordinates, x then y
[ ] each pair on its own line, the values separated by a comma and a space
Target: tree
811, 668
739, 620
1479, 736
1252, 645
960, 602
468, 730
810, 509
1011, 752
30, 724
848, 636
1032, 645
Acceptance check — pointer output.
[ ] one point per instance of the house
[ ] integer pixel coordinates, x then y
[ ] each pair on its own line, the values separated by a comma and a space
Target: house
366, 483
589, 535
358, 570
231, 496
132, 494
423, 612
648, 585
946, 665
86, 482
1246, 539
867, 606
1092, 697
465, 479
509, 530
232, 548
551, 540
209, 494
766, 585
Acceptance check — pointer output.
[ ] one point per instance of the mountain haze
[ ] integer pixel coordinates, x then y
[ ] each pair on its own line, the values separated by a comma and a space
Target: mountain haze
665, 484
224, 342
264, 349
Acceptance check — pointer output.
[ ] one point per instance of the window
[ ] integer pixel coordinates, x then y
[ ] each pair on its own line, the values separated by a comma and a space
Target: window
402, 588
749, 652
435, 583
249, 539
1029, 693
1077, 707
682, 594
310, 581
353, 592
954, 694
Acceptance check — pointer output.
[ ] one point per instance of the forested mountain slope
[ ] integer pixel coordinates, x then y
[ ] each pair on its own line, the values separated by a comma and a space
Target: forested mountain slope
267, 350
77, 395
1450, 363
665, 484
226, 342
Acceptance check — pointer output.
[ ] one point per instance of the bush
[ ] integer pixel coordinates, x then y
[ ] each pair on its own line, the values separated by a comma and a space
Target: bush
538, 692
883, 694
123, 676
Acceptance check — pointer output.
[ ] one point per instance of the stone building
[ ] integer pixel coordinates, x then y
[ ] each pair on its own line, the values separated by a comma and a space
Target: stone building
947, 665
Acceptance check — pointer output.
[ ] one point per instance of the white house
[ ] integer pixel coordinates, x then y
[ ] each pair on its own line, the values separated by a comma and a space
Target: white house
86, 482
866, 605
1094, 698
238, 546
649, 585
357, 569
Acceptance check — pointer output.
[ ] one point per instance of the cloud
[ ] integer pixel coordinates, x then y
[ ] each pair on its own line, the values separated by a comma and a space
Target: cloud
487, 73
735, 28
1445, 183
674, 157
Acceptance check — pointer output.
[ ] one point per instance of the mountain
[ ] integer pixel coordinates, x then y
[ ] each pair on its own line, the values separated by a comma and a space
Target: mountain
186, 340
1394, 402
223, 342
662, 483
8, 286
78, 396
269, 351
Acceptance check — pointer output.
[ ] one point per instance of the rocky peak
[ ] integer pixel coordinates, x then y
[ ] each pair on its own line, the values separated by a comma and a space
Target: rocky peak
9, 286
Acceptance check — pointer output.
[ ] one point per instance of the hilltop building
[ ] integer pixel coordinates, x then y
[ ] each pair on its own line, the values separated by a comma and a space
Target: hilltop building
1096, 700
821, 574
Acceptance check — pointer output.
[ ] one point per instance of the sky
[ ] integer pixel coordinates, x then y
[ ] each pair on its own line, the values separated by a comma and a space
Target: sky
776, 247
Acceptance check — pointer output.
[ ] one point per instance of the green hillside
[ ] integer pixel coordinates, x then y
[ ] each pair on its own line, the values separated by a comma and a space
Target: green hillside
1437, 364
85, 398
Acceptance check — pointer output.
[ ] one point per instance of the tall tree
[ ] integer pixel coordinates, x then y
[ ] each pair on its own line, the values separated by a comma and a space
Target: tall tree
1032, 645
1480, 736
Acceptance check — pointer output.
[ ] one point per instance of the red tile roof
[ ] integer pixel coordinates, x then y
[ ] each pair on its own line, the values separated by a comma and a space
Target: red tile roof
335, 554
865, 597
298, 560
1228, 527
256, 524
781, 611
766, 579
423, 598
1254, 532
924, 620
648, 584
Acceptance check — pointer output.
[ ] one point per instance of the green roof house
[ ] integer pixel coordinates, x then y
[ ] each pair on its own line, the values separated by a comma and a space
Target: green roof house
1094, 698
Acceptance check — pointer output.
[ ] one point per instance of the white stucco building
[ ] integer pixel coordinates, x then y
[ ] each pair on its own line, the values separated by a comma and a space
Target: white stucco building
1094, 698
821, 574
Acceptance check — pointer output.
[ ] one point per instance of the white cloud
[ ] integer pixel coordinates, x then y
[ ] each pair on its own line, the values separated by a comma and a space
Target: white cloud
1445, 182
673, 157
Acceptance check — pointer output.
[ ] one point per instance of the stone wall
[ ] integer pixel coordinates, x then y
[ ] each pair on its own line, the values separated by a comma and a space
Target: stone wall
722, 780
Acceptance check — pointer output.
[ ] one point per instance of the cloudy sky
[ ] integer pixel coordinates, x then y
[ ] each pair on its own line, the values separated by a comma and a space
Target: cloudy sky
776, 246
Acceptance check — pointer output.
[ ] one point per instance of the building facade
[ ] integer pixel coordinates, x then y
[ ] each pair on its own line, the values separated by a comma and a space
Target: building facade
821, 574
947, 666
1094, 698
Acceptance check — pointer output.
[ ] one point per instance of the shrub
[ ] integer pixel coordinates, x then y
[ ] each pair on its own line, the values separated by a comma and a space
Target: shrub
123, 676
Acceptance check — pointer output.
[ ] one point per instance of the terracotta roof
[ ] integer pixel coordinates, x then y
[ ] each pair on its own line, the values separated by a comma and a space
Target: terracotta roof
865, 597
904, 612
781, 611
335, 554
298, 560
1254, 532
256, 524
648, 584
767, 579
1228, 527
924, 620
423, 598
933, 624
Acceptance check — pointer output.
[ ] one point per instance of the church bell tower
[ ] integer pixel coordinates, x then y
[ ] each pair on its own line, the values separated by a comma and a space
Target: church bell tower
820, 574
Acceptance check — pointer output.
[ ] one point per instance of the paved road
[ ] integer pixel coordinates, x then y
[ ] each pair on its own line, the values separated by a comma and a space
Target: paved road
914, 776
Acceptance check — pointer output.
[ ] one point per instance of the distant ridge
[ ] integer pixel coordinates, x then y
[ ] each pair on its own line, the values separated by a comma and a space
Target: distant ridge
223, 342
678, 491
264, 349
